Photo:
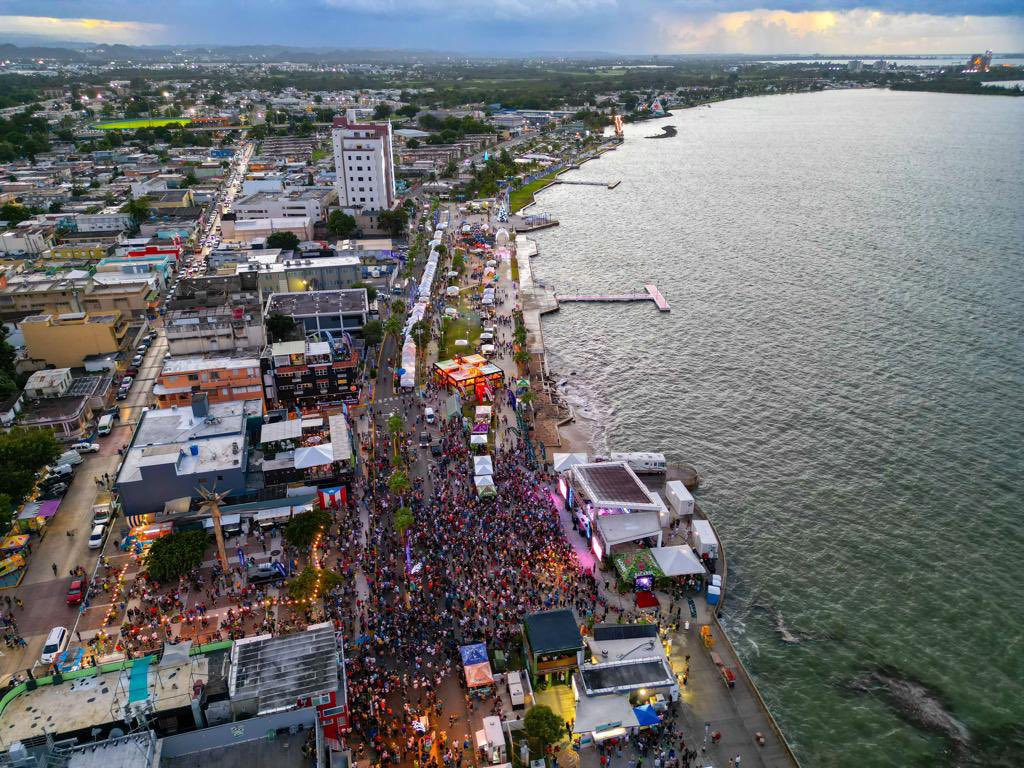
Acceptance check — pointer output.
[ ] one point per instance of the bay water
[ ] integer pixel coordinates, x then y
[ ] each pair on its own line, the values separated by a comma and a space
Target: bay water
844, 364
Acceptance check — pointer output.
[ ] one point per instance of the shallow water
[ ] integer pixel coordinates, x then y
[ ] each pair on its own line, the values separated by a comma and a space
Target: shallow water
844, 363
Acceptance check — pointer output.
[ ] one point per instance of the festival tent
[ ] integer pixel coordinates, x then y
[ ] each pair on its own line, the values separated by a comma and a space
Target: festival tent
314, 456
476, 665
485, 485
677, 561
478, 440
561, 462
482, 465
646, 715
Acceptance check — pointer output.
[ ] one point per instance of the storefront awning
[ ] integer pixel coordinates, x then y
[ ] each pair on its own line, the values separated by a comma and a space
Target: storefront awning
225, 521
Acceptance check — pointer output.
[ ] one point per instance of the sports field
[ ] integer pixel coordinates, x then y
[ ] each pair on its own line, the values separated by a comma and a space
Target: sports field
151, 122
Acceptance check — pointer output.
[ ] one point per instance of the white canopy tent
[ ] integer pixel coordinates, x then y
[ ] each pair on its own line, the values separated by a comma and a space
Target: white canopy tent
478, 440
560, 462
482, 465
677, 561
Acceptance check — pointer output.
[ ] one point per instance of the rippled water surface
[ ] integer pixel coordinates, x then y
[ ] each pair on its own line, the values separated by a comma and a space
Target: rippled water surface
844, 362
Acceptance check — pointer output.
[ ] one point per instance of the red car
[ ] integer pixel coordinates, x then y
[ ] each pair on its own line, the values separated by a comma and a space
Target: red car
76, 592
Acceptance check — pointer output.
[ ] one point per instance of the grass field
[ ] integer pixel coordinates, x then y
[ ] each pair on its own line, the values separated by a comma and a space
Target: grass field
151, 122
524, 195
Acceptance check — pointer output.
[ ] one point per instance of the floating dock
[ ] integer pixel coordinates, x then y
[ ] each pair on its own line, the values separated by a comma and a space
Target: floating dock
650, 293
606, 184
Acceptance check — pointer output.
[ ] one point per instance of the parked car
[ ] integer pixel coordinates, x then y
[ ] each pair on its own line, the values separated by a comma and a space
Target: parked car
59, 470
122, 394
436, 449
56, 642
54, 491
86, 447
264, 573
96, 537
76, 592
137, 360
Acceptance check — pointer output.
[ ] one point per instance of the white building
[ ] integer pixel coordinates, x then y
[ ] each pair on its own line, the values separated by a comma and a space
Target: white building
107, 220
310, 202
364, 164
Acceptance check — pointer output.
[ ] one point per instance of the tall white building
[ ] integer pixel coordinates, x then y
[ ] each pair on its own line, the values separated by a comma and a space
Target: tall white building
363, 164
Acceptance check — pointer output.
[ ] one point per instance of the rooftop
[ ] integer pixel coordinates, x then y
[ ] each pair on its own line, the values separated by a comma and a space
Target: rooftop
278, 670
552, 631
614, 484
627, 675
163, 435
178, 365
318, 302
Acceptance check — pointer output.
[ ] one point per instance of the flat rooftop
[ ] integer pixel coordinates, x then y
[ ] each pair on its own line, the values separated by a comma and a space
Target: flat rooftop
89, 701
283, 752
178, 365
614, 484
278, 670
627, 676
318, 302
163, 433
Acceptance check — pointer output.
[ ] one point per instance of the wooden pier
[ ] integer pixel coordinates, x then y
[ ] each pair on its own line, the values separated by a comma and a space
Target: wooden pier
650, 293
605, 184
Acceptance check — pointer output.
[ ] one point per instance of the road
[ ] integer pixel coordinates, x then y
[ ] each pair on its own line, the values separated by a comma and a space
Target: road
65, 540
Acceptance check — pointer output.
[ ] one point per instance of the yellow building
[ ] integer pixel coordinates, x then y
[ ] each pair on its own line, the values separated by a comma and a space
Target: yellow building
66, 340
80, 251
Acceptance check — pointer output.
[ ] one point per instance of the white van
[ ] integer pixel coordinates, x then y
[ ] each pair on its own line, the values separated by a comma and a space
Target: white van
106, 424
514, 679
60, 470
428, 414
56, 642
74, 458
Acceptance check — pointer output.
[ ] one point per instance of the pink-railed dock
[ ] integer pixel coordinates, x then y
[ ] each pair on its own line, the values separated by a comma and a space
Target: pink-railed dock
650, 293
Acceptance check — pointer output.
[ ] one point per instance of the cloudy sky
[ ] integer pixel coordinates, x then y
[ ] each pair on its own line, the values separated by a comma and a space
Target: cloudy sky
527, 26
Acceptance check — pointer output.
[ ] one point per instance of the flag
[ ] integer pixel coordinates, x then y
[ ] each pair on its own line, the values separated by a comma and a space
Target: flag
332, 498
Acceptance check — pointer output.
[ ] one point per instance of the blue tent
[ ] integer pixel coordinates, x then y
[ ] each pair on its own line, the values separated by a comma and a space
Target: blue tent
646, 715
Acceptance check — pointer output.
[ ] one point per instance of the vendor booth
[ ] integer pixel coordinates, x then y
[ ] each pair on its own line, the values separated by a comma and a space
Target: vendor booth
476, 667
35, 514
485, 486
470, 375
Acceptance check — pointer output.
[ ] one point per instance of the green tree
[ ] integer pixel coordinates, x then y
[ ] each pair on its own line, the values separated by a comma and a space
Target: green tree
6, 514
175, 555
341, 224
394, 222
23, 453
138, 208
420, 333
458, 262
412, 143
371, 290
398, 483
14, 213
312, 583
373, 333
543, 725
409, 110
396, 425
286, 241
382, 111
280, 326
302, 529
403, 520
393, 326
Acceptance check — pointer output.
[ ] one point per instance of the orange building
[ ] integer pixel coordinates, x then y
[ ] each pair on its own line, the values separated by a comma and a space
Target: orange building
222, 379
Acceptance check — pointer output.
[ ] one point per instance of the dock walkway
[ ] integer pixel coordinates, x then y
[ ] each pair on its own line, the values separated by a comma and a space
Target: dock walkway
650, 293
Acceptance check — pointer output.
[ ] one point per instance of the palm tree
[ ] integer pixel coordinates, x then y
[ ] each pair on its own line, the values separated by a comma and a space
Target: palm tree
211, 503
399, 483
138, 209
395, 427
403, 520
522, 357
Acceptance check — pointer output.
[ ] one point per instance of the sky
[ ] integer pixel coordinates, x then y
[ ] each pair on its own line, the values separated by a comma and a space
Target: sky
516, 27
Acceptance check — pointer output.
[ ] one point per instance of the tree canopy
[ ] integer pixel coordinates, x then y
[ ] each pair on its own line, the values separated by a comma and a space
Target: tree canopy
394, 221
23, 453
280, 326
543, 725
341, 224
302, 529
287, 241
373, 332
175, 555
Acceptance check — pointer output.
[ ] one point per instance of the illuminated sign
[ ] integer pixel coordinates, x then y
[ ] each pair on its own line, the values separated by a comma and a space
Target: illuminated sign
562, 489
596, 546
